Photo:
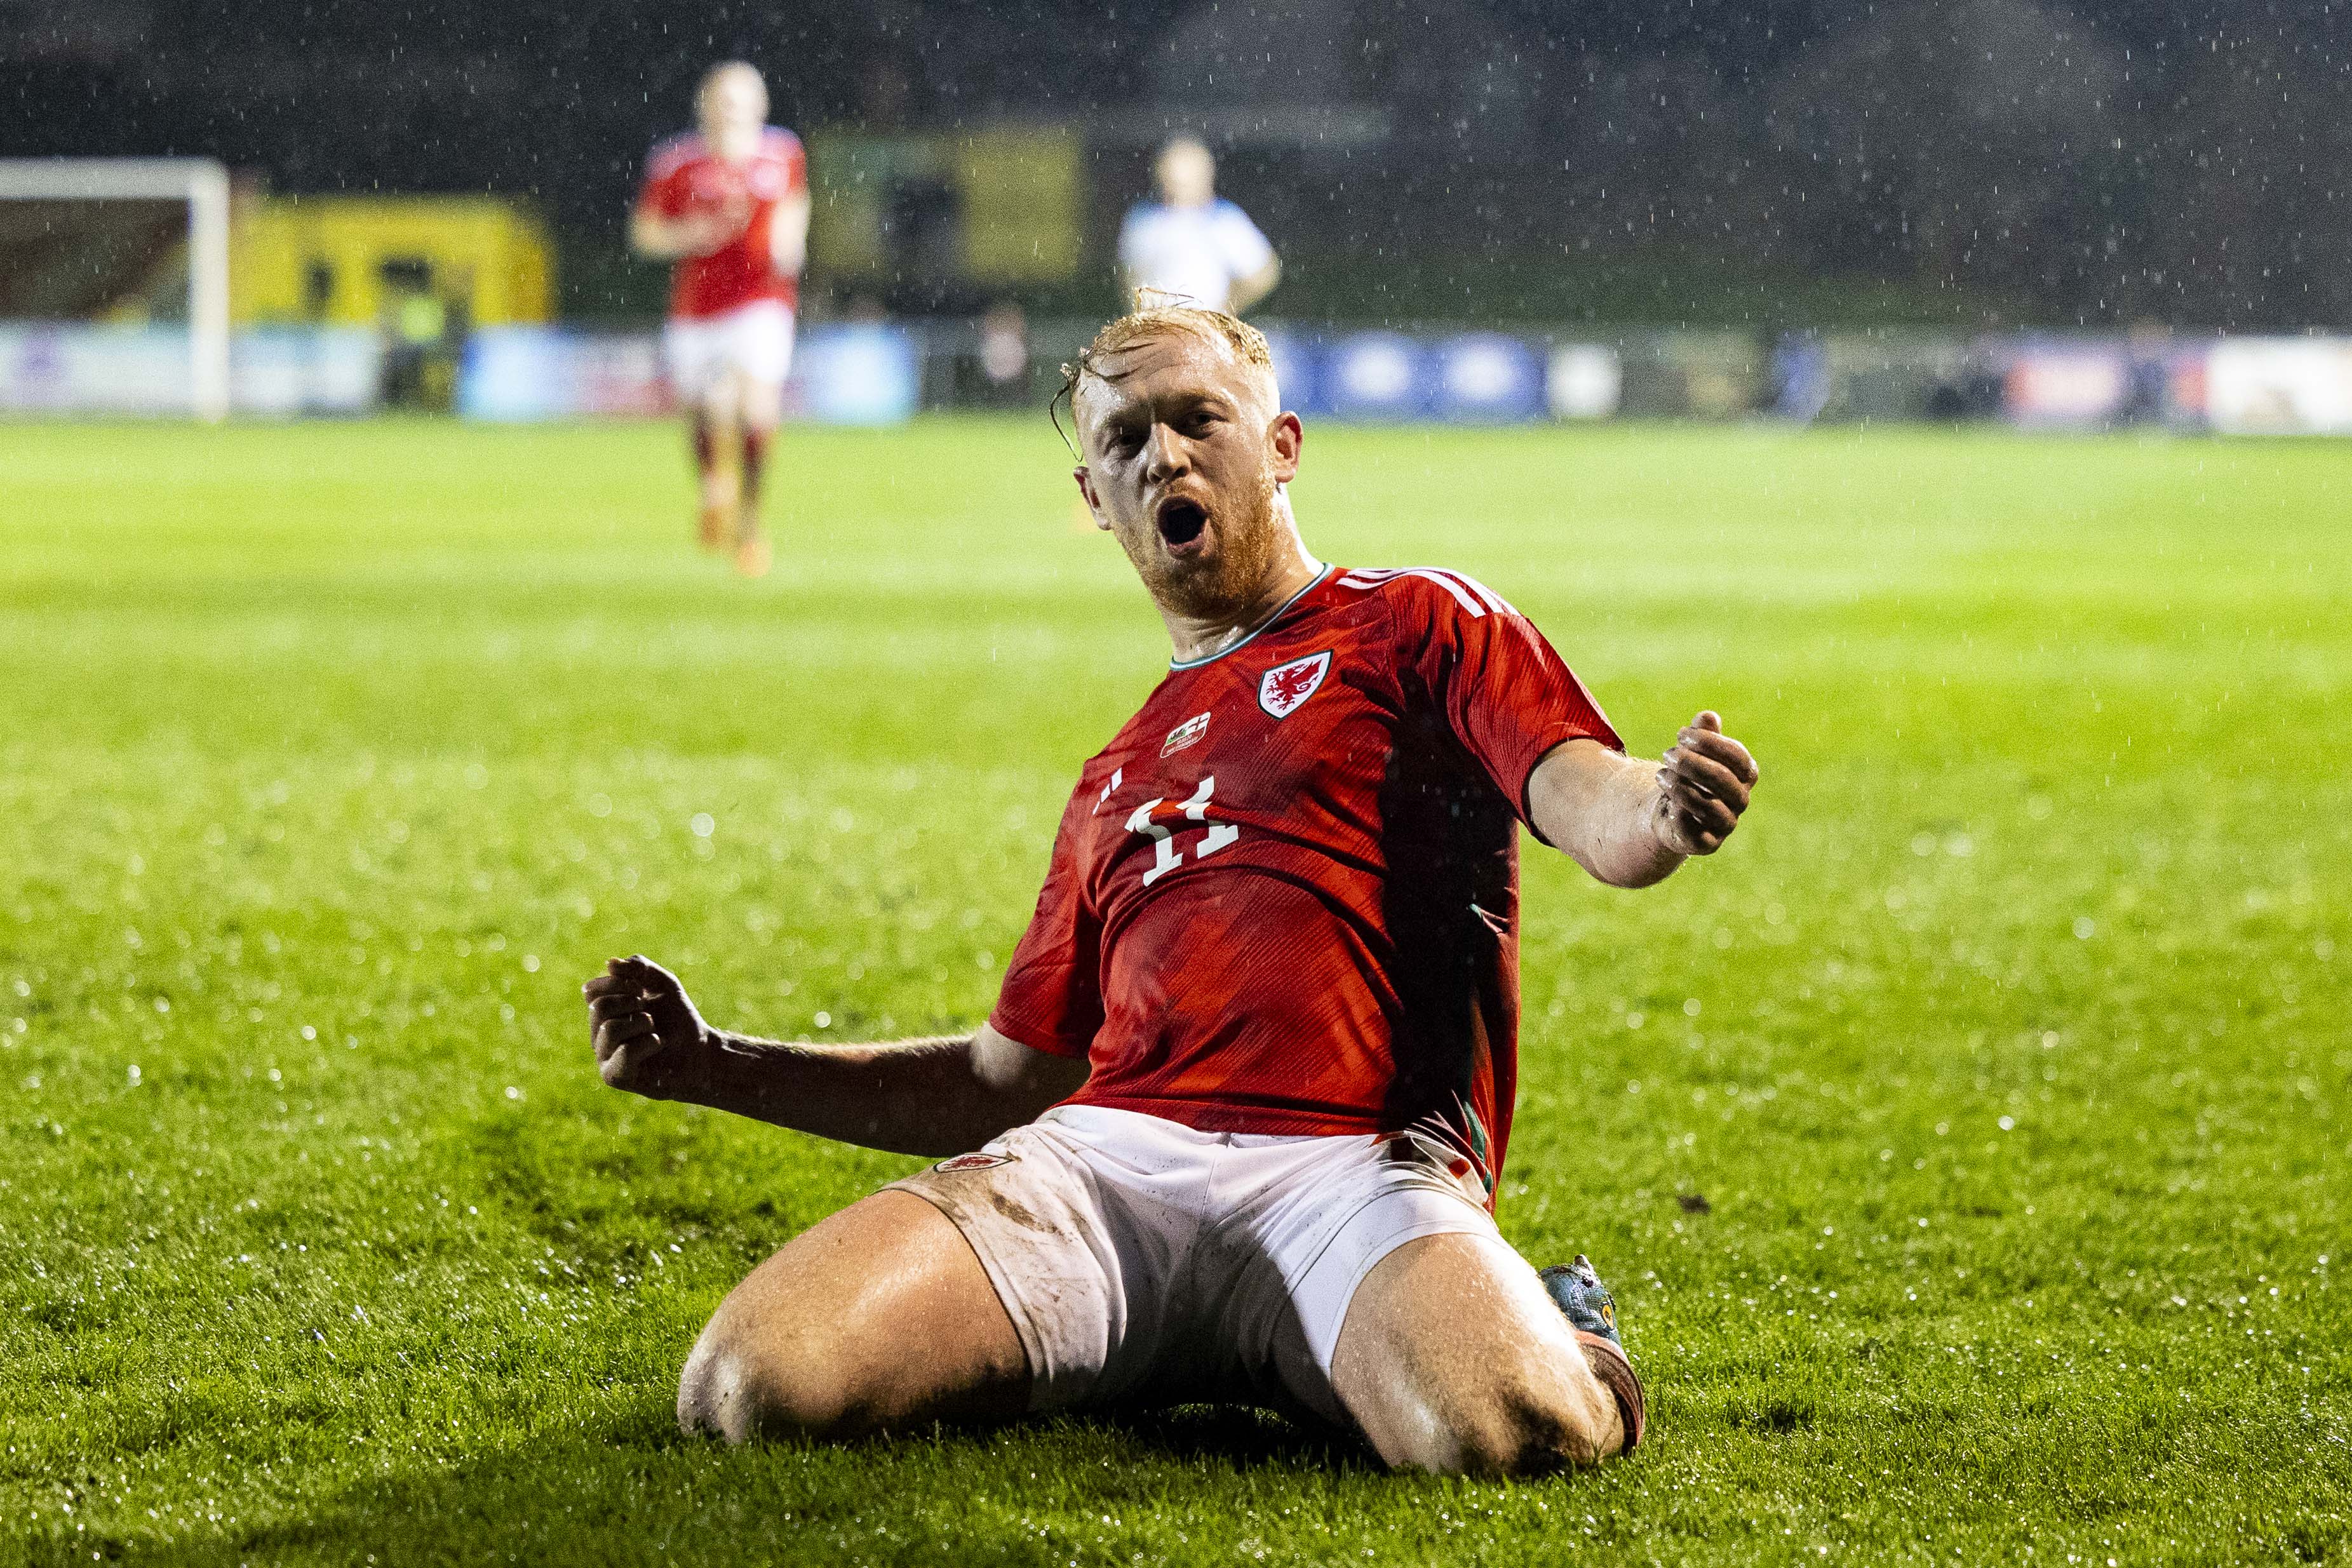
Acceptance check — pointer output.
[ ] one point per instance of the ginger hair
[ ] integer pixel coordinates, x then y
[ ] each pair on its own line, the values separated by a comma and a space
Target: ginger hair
1156, 314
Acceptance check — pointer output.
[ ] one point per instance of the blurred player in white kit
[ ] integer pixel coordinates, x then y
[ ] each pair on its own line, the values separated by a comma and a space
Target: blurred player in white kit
728, 205
1192, 244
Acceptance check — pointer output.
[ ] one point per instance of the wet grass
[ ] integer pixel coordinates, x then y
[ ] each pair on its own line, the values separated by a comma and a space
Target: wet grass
2006, 1048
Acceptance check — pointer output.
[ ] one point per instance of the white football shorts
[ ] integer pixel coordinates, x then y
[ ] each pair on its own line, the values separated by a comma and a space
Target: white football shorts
755, 340
1145, 1262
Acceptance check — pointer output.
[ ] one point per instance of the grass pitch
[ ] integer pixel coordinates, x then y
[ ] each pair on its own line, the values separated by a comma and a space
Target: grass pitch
1970, 1144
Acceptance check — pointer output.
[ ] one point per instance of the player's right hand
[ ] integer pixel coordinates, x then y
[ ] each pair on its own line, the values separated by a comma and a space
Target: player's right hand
649, 1037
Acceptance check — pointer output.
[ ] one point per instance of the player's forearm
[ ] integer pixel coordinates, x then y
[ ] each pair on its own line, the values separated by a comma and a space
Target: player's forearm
1248, 291
1602, 809
909, 1096
788, 238
1625, 848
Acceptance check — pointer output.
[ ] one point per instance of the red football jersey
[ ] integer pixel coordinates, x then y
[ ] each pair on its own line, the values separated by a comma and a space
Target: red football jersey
684, 175
1284, 899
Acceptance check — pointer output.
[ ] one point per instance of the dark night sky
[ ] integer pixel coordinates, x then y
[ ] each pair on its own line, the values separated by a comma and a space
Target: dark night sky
2090, 157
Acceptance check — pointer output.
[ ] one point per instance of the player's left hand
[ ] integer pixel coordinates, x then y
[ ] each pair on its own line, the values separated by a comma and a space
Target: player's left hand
1703, 787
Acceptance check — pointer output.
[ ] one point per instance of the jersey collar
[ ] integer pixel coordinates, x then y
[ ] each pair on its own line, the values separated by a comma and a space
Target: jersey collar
1321, 572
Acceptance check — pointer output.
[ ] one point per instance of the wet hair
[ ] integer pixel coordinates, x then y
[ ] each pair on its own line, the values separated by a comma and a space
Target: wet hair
1155, 315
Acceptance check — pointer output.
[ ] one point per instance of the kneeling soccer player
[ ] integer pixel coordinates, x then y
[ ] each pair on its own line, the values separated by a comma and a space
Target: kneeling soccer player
1235, 1124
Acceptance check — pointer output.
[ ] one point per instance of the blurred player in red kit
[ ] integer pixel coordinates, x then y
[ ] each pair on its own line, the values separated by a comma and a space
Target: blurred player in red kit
1235, 1126
729, 204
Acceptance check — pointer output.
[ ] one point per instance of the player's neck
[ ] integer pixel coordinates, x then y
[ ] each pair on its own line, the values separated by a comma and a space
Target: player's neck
1195, 637
733, 143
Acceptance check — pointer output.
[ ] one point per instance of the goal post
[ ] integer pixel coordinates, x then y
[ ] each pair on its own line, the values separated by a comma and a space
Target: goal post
199, 183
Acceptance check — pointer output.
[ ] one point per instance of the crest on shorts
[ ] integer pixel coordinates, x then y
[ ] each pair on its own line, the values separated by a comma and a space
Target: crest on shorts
1185, 734
1281, 688
975, 1162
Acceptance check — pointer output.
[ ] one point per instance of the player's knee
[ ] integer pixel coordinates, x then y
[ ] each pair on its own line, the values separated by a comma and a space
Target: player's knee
763, 407
740, 1392
721, 408
1532, 1427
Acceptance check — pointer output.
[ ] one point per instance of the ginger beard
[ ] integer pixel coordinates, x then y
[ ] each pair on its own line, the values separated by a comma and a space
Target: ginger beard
1205, 539
1242, 540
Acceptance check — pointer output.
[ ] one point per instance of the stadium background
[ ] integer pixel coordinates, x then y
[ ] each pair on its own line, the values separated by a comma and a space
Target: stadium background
1996, 208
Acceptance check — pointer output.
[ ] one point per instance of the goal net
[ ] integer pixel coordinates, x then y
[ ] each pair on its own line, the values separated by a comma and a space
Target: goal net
114, 294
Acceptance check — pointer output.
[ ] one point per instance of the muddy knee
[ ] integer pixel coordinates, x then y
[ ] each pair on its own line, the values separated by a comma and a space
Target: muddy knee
1535, 1431
1520, 1424
738, 1392
878, 1318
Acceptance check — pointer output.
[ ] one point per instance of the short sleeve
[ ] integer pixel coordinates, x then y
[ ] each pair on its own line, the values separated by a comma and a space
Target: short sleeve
664, 192
1052, 999
1502, 690
1244, 244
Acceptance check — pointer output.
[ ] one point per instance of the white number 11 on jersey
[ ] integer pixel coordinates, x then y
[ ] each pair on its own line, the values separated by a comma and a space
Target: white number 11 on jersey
1166, 856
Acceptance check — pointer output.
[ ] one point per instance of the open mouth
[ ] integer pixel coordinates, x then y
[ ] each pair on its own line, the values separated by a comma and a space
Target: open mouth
1181, 521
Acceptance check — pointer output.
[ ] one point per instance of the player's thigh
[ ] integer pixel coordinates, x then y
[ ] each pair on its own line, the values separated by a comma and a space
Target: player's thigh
1454, 1358
879, 1316
719, 398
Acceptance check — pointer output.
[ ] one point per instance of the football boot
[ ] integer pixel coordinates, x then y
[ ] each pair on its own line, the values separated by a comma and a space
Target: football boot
1576, 1290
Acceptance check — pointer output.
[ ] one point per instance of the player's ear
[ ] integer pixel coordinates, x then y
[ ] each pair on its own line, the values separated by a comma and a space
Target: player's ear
1287, 436
1087, 492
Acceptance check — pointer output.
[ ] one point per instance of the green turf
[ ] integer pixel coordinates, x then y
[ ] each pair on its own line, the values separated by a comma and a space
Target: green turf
2006, 1045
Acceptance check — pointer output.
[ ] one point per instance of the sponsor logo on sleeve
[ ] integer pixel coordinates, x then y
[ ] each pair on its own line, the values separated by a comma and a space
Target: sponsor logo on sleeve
1282, 689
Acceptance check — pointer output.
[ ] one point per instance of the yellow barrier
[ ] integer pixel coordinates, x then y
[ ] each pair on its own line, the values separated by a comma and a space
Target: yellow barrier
362, 261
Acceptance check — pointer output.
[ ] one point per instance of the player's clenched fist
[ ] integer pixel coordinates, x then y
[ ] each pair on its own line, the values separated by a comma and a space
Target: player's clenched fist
649, 1040
1703, 787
